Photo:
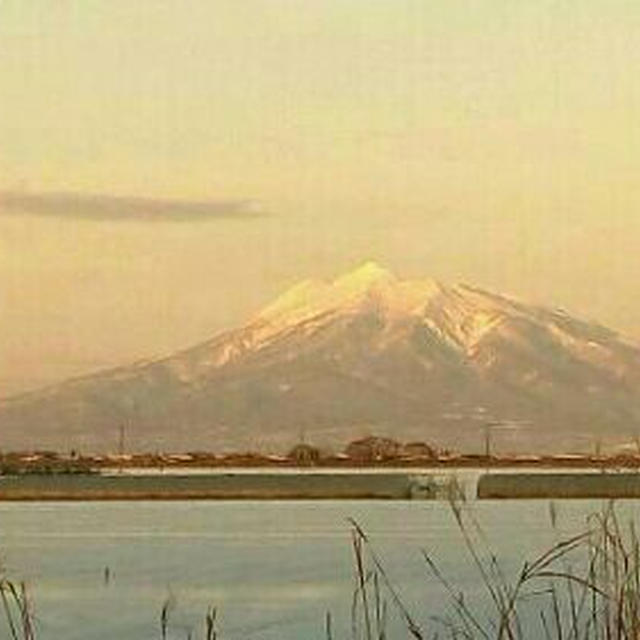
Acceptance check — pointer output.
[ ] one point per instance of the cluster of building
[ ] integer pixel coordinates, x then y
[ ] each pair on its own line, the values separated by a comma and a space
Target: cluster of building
368, 451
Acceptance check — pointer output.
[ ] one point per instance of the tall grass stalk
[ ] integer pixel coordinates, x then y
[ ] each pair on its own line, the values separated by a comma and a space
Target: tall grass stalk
583, 587
16, 607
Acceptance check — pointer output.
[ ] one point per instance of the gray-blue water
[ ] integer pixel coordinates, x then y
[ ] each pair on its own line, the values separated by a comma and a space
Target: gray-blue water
272, 569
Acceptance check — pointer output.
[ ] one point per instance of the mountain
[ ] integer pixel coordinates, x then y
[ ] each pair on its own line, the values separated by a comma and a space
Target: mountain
365, 354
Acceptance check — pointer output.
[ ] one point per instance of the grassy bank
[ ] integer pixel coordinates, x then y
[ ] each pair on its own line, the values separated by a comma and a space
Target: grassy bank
238, 486
559, 485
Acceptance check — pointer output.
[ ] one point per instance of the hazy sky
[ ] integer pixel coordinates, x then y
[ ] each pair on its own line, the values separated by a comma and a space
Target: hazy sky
490, 141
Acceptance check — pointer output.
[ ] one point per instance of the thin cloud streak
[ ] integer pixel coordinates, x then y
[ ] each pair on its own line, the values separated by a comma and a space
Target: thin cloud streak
102, 207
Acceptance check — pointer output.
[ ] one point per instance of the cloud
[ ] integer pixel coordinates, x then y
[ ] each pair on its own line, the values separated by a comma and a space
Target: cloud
116, 208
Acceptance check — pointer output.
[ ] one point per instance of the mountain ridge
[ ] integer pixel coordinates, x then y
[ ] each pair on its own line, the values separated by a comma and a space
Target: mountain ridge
364, 353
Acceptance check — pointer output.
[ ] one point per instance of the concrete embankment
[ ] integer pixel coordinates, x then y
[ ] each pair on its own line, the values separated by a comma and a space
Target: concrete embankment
250, 486
558, 485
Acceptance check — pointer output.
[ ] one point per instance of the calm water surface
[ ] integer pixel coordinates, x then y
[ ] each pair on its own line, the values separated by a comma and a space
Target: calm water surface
272, 568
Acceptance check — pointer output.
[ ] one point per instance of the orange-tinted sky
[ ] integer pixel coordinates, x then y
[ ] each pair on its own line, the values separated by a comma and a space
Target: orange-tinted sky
480, 140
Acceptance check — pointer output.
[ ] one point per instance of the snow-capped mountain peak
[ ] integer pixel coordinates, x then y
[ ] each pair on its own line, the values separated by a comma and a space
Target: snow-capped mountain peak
368, 287
367, 275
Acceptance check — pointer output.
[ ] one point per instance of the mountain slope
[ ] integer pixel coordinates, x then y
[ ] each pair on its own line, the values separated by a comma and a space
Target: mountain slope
366, 353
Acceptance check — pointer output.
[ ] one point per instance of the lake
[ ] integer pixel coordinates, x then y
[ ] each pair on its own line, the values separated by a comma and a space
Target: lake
272, 569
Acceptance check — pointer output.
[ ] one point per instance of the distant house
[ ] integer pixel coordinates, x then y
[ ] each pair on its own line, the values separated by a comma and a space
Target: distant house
304, 454
31, 458
373, 449
180, 457
274, 457
418, 450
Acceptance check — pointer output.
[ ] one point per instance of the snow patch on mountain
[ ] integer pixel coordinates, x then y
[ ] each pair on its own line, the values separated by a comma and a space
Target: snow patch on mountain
369, 288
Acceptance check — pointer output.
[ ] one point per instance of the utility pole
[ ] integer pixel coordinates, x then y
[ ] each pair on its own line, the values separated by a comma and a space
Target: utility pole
121, 441
121, 447
487, 441
487, 446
